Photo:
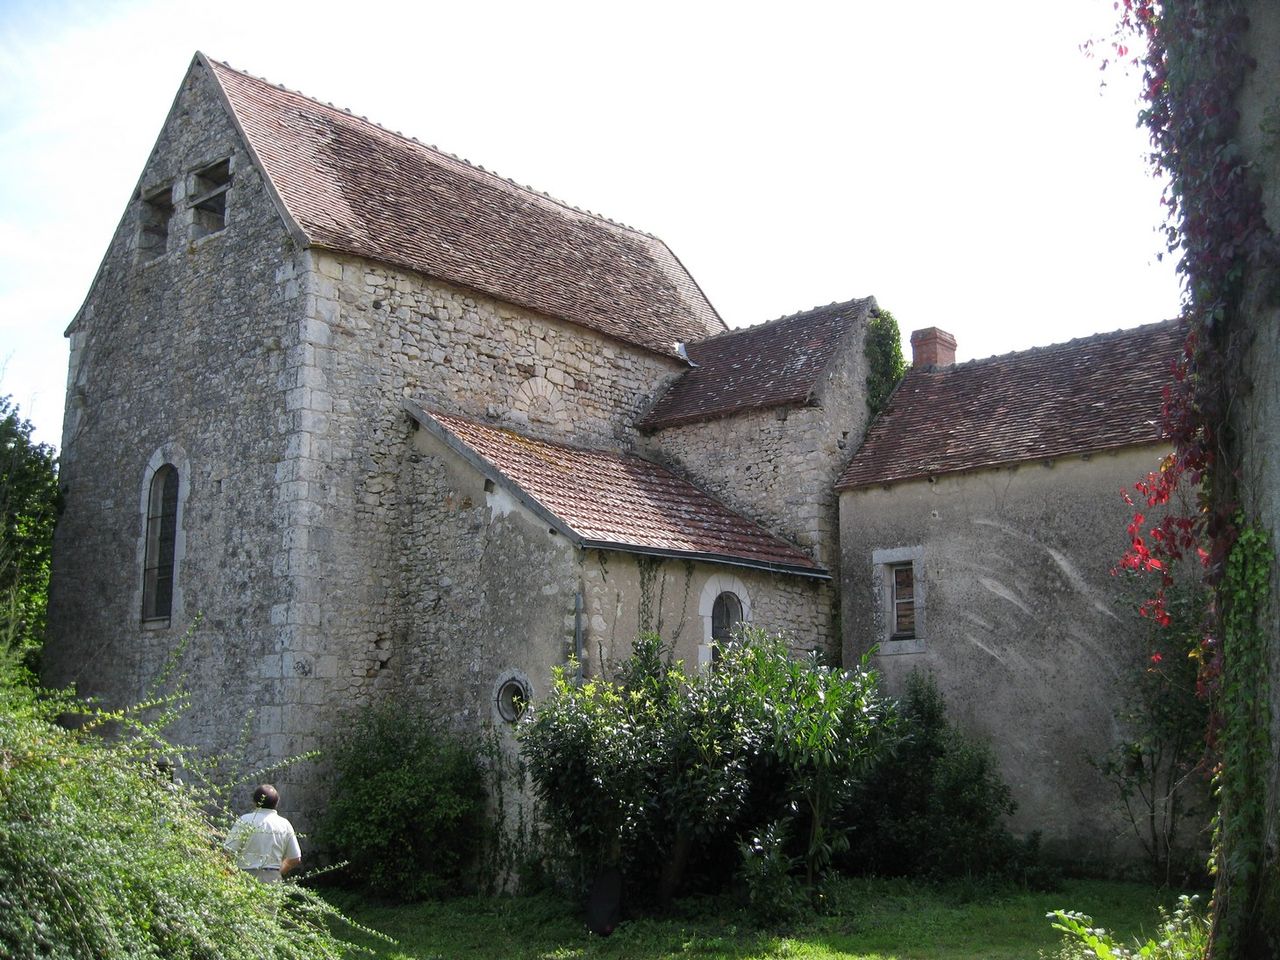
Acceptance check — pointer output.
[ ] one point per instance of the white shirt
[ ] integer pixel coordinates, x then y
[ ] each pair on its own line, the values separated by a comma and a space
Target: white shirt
262, 839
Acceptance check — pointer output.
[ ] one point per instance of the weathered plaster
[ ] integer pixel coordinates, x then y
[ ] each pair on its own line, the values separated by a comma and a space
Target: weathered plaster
1027, 631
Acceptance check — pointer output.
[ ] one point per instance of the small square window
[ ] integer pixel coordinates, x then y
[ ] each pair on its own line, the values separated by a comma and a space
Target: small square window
209, 198
156, 212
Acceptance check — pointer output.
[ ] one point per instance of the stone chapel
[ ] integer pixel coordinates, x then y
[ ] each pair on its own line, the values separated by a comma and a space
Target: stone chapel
361, 420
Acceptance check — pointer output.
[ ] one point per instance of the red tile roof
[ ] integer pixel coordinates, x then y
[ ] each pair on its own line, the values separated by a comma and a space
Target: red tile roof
1092, 394
774, 364
353, 187
619, 501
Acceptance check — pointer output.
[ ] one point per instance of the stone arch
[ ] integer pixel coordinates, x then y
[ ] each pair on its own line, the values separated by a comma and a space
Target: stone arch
539, 401
717, 584
172, 455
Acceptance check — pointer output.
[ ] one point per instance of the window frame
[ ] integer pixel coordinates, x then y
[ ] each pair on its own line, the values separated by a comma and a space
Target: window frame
169, 455
725, 630
159, 565
714, 586
207, 196
887, 563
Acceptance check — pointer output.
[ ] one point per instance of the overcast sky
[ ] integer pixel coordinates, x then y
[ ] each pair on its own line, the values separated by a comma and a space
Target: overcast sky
958, 161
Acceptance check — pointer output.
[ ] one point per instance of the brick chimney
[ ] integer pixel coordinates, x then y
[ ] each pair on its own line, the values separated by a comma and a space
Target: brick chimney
932, 347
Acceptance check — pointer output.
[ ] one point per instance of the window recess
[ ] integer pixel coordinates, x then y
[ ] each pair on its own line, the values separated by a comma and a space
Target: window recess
156, 213
209, 198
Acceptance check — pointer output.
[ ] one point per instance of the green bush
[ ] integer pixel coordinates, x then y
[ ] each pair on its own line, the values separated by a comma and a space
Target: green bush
1182, 935
102, 857
29, 503
666, 773
407, 810
935, 804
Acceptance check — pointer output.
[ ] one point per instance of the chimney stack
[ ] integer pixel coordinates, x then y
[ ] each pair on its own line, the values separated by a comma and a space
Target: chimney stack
932, 347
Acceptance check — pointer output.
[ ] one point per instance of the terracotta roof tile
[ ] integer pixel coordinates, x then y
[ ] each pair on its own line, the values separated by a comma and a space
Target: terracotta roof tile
355, 188
1092, 394
623, 502
773, 364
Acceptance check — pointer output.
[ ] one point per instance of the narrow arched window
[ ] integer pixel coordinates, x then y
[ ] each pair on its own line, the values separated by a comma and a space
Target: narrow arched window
725, 615
162, 538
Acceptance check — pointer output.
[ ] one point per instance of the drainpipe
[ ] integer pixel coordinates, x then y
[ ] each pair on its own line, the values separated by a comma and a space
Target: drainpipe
577, 631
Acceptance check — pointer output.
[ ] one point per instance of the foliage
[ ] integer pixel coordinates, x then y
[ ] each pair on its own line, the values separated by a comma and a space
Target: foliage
885, 364
662, 769
934, 805
1182, 935
860, 919
1243, 745
1195, 63
1159, 767
768, 872
407, 810
29, 503
102, 856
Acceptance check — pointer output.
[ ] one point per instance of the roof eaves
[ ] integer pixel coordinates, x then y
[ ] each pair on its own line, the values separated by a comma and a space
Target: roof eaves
995, 464
817, 573
489, 470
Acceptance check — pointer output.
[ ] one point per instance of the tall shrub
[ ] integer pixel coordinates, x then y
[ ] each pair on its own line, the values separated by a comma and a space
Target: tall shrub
935, 804
655, 771
28, 507
407, 809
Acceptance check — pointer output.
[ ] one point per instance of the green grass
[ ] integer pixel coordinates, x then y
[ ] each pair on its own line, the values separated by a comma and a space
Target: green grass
863, 920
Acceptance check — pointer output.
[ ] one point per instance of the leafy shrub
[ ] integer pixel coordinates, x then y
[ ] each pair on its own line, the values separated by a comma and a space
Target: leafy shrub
934, 805
407, 810
1182, 935
657, 771
100, 857
774, 895
1159, 766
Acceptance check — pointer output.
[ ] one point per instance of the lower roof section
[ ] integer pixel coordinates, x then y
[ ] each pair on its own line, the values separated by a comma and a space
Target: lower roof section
616, 501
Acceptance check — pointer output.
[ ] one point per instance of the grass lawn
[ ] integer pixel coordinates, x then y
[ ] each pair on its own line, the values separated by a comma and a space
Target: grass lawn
864, 920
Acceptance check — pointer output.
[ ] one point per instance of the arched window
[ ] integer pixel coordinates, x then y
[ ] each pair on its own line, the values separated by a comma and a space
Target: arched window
726, 613
724, 603
162, 536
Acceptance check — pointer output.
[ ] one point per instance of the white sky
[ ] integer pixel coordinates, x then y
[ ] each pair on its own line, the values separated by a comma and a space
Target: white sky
958, 161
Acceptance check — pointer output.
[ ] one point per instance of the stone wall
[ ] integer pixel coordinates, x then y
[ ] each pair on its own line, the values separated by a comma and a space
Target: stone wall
183, 353
357, 554
1024, 628
779, 465
626, 594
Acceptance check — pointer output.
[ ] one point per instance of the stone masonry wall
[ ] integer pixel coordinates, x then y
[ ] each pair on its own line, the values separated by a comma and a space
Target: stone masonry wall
1021, 623
183, 358
371, 336
470, 354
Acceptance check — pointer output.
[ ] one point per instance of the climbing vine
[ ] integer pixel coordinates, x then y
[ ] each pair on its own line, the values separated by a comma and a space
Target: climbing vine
885, 365
1243, 746
1194, 63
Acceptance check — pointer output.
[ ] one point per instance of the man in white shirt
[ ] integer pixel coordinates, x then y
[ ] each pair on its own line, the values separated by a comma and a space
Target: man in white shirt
263, 842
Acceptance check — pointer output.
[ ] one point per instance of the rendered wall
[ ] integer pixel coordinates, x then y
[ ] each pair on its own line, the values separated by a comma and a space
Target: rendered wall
626, 594
1026, 631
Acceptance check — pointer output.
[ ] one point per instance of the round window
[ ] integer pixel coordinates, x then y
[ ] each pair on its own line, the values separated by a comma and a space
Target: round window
512, 699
